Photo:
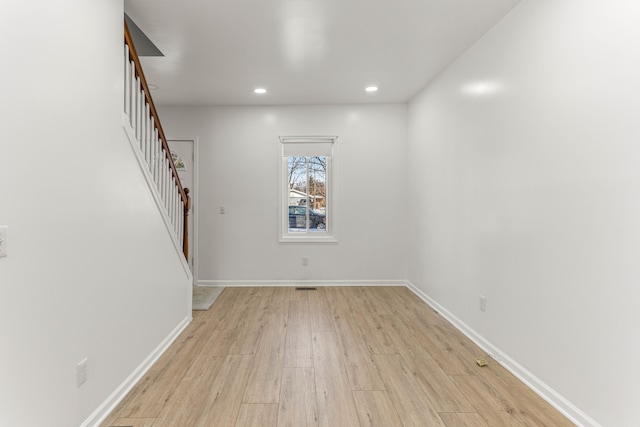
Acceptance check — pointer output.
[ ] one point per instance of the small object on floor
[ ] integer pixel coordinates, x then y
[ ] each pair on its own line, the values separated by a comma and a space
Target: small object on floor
481, 362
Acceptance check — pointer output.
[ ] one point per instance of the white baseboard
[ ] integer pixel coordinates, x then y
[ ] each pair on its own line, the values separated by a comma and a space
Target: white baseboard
103, 411
569, 410
267, 283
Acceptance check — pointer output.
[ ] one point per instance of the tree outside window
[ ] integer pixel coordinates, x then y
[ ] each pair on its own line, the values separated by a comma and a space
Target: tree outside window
307, 183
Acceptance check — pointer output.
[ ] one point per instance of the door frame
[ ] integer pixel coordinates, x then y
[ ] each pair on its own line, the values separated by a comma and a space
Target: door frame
193, 215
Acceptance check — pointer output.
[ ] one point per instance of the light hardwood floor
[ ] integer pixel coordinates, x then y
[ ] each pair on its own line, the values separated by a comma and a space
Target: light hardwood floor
337, 356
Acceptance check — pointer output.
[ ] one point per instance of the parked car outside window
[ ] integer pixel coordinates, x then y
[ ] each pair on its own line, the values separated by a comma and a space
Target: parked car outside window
298, 218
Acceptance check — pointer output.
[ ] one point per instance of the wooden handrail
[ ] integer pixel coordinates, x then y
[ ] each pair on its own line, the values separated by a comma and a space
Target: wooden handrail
184, 193
154, 113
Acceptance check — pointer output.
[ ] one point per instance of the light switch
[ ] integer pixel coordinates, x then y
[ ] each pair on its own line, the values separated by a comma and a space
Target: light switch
3, 241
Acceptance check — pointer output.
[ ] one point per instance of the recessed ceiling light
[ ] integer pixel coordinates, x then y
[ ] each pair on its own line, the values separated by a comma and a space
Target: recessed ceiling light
372, 89
260, 90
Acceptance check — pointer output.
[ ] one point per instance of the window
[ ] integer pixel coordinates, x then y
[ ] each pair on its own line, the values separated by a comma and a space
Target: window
307, 212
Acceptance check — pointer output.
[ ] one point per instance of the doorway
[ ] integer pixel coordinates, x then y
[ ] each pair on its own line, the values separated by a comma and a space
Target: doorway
184, 153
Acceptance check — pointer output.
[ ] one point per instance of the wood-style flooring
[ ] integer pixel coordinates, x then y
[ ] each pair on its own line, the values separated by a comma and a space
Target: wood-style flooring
331, 357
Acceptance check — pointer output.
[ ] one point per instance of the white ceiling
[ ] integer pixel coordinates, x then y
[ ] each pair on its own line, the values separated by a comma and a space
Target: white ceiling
305, 51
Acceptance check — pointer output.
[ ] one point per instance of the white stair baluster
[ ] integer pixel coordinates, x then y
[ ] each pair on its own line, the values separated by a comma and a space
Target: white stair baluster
127, 73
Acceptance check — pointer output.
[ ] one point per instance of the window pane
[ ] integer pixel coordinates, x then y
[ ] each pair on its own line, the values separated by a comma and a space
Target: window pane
317, 193
307, 188
297, 173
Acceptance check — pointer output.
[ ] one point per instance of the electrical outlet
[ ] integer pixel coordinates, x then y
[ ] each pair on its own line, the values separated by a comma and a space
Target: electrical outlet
222, 210
3, 241
305, 260
483, 303
82, 373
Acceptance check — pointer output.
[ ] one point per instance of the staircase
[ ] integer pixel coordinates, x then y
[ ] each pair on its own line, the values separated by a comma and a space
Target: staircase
142, 125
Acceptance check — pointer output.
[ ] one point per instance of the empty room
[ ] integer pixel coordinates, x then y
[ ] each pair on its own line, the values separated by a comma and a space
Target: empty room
408, 213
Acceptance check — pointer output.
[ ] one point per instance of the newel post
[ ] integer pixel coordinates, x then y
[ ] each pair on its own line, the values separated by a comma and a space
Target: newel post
185, 233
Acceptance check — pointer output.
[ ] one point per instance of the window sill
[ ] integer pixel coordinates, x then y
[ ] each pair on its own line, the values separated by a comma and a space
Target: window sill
308, 239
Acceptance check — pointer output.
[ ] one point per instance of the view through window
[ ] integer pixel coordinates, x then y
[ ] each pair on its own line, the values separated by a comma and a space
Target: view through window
307, 189
307, 183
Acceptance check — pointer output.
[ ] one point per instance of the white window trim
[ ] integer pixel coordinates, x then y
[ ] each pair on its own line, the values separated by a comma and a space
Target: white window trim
283, 211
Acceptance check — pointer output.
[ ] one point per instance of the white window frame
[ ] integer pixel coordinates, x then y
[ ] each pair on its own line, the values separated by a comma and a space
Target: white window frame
330, 236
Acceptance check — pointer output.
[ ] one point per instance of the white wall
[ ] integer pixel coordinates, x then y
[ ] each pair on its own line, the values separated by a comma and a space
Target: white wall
239, 169
524, 169
91, 271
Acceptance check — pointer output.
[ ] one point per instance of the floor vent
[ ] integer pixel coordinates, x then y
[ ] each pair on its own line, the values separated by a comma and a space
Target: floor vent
306, 289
